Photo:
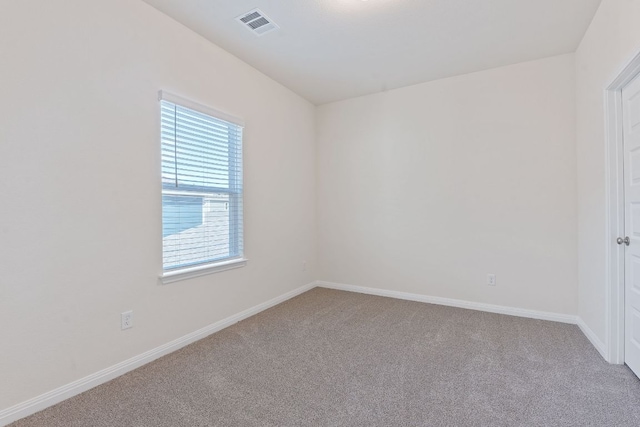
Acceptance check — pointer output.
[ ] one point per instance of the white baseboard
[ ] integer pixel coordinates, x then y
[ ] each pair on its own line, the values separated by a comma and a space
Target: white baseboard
43, 401
520, 312
52, 397
595, 341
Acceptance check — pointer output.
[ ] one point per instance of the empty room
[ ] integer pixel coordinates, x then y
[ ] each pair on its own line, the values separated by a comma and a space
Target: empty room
319, 213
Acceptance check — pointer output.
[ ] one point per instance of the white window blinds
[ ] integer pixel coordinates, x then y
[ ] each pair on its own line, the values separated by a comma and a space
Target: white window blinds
201, 187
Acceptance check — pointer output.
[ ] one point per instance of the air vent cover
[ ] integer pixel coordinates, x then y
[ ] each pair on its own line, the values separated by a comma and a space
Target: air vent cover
257, 22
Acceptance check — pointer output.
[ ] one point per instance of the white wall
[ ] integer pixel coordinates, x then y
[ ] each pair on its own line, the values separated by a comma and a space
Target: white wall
423, 189
428, 188
80, 221
612, 39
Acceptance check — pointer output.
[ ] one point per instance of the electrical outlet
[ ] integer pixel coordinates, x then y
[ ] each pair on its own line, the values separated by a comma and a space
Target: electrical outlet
491, 279
127, 319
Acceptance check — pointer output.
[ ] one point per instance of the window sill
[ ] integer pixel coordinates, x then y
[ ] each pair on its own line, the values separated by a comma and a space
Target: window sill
203, 270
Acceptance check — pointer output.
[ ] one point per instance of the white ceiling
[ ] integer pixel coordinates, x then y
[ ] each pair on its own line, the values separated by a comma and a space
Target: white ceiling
327, 50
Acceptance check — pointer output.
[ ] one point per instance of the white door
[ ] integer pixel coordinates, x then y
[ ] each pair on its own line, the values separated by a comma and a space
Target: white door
631, 242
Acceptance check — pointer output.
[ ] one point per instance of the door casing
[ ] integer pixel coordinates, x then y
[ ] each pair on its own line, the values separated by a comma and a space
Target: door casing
614, 339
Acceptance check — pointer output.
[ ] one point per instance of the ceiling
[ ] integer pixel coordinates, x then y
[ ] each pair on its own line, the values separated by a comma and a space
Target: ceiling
327, 50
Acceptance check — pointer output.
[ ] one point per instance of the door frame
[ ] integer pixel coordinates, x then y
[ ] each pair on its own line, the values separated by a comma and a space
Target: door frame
615, 213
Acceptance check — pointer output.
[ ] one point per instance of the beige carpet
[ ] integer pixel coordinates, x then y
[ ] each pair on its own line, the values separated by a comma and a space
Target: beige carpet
331, 358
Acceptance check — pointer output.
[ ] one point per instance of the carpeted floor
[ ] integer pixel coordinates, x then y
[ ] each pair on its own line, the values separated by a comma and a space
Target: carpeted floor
332, 358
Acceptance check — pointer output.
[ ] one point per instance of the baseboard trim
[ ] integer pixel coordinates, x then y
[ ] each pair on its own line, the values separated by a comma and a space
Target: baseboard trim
593, 338
520, 312
57, 395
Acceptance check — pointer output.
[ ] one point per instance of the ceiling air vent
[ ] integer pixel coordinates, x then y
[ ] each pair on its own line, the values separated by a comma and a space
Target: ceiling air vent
257, 22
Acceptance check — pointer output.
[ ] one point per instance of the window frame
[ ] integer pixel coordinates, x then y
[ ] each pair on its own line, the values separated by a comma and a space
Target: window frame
188, 272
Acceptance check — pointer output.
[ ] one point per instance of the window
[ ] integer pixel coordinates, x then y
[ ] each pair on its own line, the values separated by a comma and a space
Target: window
201, 187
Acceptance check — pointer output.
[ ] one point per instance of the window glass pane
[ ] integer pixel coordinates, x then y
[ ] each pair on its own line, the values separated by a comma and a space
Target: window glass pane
196, 237
202, 187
